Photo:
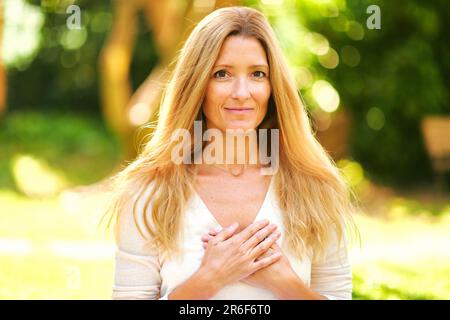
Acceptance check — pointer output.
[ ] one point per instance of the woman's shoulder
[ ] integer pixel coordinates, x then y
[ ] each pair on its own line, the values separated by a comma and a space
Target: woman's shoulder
134, 213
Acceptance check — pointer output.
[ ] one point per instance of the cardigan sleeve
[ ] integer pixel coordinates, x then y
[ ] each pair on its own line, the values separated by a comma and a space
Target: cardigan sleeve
331, 276
137, 264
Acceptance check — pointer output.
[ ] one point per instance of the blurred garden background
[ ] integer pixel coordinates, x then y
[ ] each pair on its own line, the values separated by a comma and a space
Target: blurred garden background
79, 78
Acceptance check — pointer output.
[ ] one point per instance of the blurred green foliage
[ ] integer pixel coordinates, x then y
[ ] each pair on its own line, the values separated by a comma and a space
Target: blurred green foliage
81, 147
64, 73
388, 79
404, 72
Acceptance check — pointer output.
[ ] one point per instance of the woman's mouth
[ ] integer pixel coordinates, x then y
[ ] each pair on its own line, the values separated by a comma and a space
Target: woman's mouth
239, 110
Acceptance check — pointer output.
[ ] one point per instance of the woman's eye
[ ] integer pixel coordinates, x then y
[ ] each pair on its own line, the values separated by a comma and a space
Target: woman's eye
259, 74
220, 74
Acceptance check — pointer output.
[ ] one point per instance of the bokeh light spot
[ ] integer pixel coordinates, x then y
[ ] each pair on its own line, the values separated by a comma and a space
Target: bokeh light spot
139, 114
350, 56
326, 96
35, 178
72, 39
375, 118
330, 60
355, 30
352, 171
317, 43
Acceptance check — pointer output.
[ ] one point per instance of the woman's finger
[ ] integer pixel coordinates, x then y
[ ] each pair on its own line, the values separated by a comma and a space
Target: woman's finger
206, 241
251, 229
259, 236
276, 246
206, 237
268, 253
267, 261
265, 245
225, 233
215, 231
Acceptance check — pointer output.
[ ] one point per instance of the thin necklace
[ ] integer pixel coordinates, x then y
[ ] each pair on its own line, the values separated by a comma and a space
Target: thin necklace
233, 171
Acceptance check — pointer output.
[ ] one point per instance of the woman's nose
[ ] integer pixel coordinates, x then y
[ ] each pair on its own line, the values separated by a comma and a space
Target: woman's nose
240, 89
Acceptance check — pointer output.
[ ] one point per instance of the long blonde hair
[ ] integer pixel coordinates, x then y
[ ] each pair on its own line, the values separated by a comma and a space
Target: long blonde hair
313, 196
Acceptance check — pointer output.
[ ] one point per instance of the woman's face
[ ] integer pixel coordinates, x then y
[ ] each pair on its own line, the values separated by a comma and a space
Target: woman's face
238, 90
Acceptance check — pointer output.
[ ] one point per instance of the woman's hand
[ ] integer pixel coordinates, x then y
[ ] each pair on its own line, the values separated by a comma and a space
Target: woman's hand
232, 257
270, 276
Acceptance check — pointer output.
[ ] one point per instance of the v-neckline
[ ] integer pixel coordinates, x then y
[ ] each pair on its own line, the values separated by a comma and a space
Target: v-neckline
214, 219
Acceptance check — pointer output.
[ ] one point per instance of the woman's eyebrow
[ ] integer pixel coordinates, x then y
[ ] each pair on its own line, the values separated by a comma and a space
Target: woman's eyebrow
252, 66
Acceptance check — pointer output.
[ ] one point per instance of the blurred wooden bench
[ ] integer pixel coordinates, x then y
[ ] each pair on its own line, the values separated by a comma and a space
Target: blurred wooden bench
436, 133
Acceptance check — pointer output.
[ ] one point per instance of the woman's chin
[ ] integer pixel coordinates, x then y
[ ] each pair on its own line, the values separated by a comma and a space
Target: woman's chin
240, 125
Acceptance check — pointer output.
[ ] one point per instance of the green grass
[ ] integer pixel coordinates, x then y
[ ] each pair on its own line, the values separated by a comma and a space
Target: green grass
79, 146
43, 276
406, 257
422, 279
56, 265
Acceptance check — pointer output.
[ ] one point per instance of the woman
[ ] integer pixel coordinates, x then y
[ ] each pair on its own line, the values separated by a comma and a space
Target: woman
196, 229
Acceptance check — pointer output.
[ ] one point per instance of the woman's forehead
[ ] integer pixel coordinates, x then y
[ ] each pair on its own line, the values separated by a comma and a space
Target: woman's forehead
242, 50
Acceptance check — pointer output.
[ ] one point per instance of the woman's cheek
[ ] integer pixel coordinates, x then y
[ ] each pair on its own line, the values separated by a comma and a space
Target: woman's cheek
262, 91
263, 95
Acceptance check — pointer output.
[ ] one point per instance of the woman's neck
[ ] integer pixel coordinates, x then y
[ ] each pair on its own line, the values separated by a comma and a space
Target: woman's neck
238, 147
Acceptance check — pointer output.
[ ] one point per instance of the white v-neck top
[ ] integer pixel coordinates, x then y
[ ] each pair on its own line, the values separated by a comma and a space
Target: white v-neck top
143, 271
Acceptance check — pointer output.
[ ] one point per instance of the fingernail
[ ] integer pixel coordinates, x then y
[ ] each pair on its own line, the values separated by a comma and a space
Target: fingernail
234, 225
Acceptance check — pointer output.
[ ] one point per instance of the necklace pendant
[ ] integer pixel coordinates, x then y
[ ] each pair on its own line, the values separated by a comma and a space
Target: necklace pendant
237, 172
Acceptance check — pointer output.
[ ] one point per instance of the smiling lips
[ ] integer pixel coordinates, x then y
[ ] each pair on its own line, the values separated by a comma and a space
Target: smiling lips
239, 110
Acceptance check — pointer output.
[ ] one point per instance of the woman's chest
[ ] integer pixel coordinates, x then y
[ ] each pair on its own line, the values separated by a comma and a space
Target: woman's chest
229, 201
176, 270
